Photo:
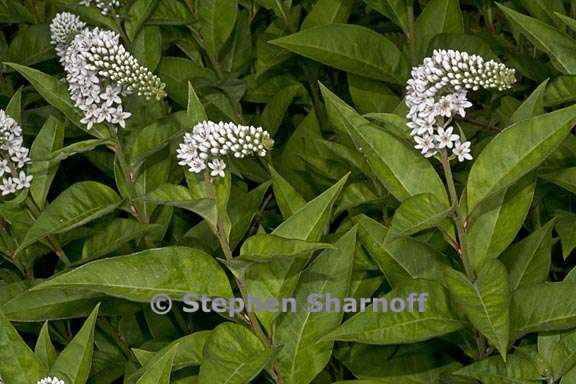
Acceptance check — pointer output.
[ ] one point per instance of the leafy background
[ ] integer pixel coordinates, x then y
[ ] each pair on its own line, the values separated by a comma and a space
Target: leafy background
343, 205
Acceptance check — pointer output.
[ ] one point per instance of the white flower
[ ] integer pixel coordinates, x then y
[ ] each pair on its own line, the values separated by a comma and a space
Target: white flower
99, 71
50, 380
209, 142
217, 166
462, 150
105, 6
426, 145
437, 92
13, 157
445, 138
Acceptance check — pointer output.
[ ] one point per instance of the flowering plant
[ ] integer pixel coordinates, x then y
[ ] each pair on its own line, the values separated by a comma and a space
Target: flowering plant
201, 191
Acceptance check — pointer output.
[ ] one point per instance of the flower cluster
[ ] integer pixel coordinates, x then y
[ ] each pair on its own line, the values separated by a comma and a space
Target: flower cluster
50, 380
100, 71
209, 142
438, 91
13, 157
105, 6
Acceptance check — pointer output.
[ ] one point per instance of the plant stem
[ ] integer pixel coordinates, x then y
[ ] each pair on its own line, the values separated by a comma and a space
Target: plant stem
34, 212
411, 33
105, 326
226, 249
457, 215
129, 176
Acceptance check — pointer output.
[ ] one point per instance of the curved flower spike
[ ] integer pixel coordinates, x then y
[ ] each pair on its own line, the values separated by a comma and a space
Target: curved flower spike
438, 91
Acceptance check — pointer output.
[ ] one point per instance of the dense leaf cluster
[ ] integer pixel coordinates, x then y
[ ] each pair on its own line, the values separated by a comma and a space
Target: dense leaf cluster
341, 203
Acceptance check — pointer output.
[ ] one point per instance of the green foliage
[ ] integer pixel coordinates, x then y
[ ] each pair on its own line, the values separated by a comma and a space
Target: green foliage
342, 204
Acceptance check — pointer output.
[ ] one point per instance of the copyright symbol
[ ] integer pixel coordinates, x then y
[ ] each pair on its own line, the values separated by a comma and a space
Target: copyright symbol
161, 304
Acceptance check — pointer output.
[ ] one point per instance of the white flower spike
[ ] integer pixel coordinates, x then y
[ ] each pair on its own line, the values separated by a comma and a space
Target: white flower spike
437, 92
100, 71
209, 142
50, 380
13, 157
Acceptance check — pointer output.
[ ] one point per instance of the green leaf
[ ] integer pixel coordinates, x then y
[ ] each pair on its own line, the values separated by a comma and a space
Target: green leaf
179, 196
217, 20
112, 237
558, 45
159, 372
288, 199
528, 261
18, 364
49, 139
274, 112
195, 112
189, 352
395, 10
566, 229
302, 357
79, 204
56, 93
543, 307
263, 247
327, 12
485, 302
233, 355
516, 151
497, 221
139, 12
157, 136
419, 321
560, 90
30, 46
75, 361
417, 213
44, 348
60, 304
148, 47
386, 155
14, 107
401, 259
370, 96
519, 369
439, 16
173, 271
532, 106
278, 278
351, 48
565, 178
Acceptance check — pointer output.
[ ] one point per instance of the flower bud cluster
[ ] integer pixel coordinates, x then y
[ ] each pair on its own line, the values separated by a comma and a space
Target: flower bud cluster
50, 380
105, 6
13, 157
99, 71
209, 142
438, 91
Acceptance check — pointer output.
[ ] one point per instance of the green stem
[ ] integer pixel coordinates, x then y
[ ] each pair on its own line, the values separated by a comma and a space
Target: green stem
129, 177
226, 249
457, 215
34, 212
411, 33
108, 329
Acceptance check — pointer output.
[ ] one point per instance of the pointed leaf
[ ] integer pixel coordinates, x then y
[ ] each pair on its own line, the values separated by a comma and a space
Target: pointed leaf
173, 271
516, 151
75, 361
485, 302
44, 348
351, 48
232, 355
388, 157
79, 204
416, 214
302, 357
419, 320
159, 372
